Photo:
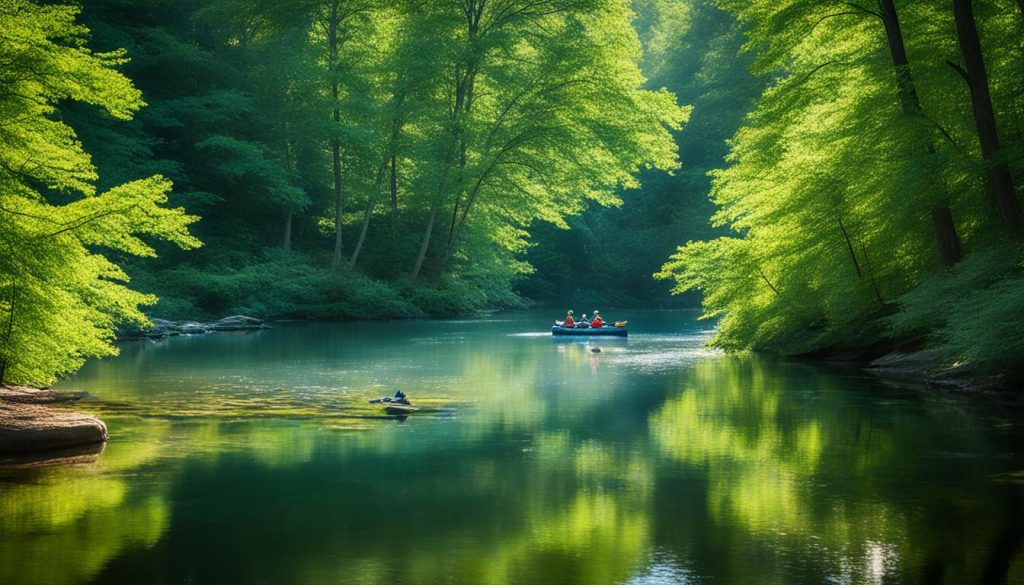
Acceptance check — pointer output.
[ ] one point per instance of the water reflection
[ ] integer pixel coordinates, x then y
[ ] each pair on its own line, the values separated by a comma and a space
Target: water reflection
541, 463
63, 525
799, 462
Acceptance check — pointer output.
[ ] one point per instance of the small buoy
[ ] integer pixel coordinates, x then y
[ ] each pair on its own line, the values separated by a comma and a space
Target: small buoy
595, 349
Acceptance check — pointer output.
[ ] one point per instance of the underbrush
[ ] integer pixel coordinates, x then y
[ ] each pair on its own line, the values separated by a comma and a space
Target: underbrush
283, 285
972, 313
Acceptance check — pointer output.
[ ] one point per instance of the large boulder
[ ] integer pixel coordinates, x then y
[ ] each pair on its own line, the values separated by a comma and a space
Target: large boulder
193, 328
30, 422
237, 323
163, 328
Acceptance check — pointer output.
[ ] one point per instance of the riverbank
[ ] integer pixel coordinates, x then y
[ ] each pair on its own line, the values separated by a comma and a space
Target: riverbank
930, 368
31, 420
918, 364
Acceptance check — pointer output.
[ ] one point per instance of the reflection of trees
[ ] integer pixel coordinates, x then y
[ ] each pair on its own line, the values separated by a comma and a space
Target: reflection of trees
796, 461
752, 473
571, 511
65, 525
566, 508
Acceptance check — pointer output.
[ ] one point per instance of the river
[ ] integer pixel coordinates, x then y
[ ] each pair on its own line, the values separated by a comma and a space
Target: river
256, 458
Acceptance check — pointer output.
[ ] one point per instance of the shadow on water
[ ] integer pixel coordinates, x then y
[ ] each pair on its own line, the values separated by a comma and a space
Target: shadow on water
653, 461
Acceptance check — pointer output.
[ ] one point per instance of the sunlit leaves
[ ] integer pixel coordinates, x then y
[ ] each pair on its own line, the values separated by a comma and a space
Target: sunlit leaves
60, 299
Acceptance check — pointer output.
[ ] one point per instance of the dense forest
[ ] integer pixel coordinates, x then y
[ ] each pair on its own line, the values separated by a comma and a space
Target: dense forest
844, 172
335, 158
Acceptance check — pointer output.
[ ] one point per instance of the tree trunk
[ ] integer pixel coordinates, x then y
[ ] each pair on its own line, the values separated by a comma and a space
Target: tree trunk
945, 231
336, 259
984, 116
909, 101
942, 217
426, 243
438, 201
10, 329
394, 186
465, 85
849, 248
856, 263
370, 202
332, 40
871, 274
287, 243
456, 232
367, 215
1020, 4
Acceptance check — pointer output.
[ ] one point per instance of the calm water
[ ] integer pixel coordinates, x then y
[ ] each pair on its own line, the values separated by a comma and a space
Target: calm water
254, 458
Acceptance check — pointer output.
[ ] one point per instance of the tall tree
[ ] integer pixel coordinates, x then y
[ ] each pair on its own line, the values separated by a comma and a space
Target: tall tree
525, 138
60, 299
942, 216
332, 24
976, 78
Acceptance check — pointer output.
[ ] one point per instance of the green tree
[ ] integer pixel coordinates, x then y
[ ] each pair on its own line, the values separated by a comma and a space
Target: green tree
546, 111
61, 298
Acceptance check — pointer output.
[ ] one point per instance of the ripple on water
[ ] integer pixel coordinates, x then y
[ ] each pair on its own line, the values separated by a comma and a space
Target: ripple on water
662, 360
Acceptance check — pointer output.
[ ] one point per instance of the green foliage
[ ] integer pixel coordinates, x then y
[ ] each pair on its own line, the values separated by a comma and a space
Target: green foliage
60, 299
833, 182
607, 256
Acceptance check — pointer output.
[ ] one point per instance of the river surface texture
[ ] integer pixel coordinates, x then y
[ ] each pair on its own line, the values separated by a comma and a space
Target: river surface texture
255, 458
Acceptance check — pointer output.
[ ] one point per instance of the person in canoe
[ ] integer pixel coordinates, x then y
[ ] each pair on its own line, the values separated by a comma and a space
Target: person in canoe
569, 321
583, 323
597, 322
400, 398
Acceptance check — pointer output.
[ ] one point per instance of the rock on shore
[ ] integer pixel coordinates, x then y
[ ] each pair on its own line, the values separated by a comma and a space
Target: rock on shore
163, 328
29, 421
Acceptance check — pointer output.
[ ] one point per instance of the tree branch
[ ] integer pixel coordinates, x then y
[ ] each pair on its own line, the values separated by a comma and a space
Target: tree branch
963, 73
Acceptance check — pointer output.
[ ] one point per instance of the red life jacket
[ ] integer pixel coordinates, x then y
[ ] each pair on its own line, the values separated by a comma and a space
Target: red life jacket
597, 323
569, 321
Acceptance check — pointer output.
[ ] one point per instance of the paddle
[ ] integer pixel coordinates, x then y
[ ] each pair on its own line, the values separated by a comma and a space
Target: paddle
621, 323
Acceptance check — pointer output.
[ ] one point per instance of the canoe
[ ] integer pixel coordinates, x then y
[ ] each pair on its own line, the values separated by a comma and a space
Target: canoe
396, 408
603, 331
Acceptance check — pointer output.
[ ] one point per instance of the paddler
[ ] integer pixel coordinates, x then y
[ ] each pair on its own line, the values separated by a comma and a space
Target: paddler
569, 321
